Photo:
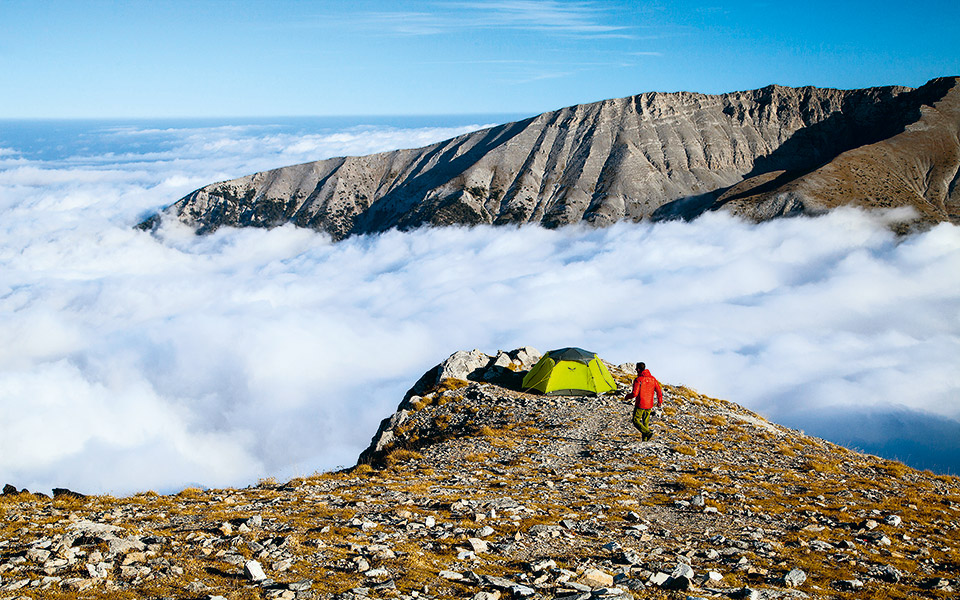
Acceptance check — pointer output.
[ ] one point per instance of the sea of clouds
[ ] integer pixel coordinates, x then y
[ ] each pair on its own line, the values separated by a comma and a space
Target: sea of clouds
131, 361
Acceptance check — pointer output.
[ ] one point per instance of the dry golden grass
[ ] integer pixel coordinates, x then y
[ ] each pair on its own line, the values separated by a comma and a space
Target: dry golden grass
685, 449
820, 465
451, 383
362, 469
785, 450
480, 457
717, 420
191, 492
401, 455
714, 446
895, 469
687, 481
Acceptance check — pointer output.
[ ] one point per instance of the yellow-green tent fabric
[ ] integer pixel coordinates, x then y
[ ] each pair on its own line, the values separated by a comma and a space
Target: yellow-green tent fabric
569, 372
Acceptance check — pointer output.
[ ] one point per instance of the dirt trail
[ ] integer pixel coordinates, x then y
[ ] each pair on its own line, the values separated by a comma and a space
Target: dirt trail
598, 426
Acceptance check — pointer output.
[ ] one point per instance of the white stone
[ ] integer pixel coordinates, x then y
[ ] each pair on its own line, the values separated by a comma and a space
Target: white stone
596, 578
794, 578
852, 584
543, 565
682, 570
126, 545
461, 364
99, 570
37, 555
362, 565
659, 578
450, 575
15, 585
502, 360
282, 565
527, 356
681, 577
253, 571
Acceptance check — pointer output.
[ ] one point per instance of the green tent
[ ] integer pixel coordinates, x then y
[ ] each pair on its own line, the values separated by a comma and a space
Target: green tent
569, 372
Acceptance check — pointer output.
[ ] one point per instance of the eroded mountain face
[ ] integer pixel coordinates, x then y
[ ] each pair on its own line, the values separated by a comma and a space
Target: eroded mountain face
761, 154
476, 489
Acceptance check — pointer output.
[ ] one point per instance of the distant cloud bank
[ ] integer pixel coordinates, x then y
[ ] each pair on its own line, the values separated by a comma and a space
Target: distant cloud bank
132, 362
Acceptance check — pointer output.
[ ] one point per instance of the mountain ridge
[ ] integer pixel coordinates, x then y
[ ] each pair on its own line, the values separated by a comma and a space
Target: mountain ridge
474, 488
761, 154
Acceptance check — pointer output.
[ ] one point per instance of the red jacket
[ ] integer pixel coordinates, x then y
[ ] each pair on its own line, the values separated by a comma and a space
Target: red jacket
644, 387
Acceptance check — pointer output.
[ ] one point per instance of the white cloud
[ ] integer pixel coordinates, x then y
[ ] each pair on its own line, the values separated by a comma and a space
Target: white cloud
580, 19
179, 359
544, 15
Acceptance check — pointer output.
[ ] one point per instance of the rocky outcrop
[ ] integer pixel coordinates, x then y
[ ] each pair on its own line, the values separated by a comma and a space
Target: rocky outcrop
762, 154
506, 368
490, 493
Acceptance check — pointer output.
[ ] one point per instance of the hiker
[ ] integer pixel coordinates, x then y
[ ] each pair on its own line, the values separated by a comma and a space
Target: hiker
644, 388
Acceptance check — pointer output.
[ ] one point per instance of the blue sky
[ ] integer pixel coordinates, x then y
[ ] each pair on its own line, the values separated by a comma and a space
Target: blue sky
249, 58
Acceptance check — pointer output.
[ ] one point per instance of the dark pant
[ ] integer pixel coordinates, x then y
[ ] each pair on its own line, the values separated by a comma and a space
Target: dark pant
641, 420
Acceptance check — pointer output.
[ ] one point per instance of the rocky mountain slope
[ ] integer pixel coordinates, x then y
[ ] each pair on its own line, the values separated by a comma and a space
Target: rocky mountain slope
761, 154
474, 489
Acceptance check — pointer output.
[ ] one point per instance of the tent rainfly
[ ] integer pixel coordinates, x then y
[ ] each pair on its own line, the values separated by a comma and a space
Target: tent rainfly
569, 372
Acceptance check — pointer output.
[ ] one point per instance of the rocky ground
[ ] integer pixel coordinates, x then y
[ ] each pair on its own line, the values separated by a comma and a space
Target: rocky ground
474, 489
